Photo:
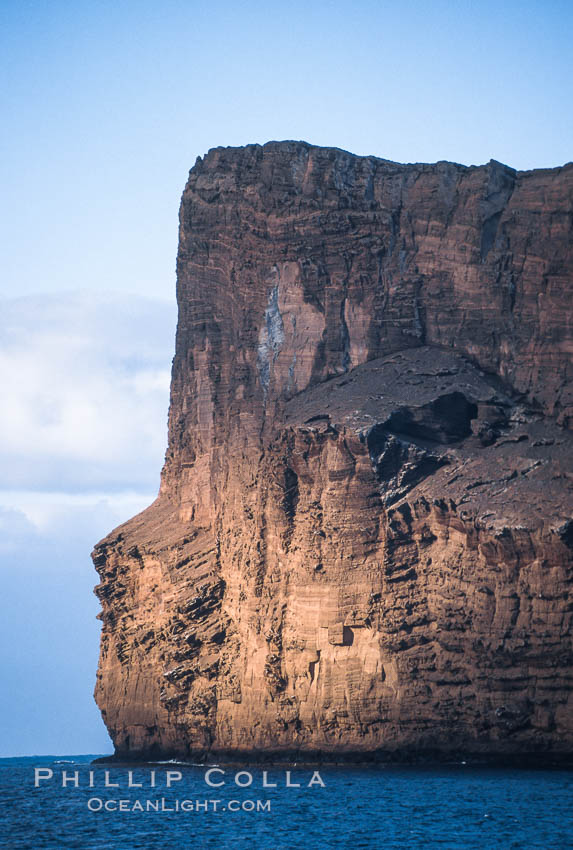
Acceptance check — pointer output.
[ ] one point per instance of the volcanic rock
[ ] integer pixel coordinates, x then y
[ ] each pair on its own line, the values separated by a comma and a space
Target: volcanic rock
363, 541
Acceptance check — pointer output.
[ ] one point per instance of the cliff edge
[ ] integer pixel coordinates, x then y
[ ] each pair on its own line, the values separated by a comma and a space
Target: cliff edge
363, 541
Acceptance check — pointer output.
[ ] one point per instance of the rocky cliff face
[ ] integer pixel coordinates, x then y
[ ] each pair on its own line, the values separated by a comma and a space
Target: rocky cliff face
363, 539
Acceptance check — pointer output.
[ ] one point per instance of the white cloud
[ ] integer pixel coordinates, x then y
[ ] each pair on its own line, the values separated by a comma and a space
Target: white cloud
16, 529
84, 385
44, 512
55, 532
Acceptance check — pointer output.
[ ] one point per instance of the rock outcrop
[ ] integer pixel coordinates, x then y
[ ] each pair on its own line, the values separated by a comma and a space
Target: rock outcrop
363, 541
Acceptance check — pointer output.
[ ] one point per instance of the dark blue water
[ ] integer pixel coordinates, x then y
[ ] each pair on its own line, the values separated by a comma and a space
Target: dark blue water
457, 806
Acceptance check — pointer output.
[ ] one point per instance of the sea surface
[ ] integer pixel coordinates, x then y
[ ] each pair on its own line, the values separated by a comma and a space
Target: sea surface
450, 806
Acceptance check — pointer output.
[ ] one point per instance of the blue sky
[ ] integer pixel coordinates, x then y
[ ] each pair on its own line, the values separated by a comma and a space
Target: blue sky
105, 107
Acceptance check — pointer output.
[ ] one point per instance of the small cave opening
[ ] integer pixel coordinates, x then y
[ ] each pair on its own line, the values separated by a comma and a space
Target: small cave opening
347, 636
447, 419
455, 412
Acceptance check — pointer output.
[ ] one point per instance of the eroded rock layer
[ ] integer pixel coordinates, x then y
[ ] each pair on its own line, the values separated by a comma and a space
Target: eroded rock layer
363, 540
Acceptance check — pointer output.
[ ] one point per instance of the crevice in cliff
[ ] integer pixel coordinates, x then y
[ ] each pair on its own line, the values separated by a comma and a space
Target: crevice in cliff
313, 667
419, 314
291, 493
488, 234
500, 188
344, 337
290, 503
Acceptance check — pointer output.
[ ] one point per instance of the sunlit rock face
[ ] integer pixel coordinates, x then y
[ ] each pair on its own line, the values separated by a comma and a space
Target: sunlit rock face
363, 540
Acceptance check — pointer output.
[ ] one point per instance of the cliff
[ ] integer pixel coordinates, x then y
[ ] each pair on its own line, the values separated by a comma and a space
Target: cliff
363, 539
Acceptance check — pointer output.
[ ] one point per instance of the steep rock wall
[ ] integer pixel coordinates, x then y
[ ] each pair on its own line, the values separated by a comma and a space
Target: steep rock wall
363, 538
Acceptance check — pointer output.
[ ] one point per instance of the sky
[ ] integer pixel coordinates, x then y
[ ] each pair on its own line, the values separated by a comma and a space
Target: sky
105, 107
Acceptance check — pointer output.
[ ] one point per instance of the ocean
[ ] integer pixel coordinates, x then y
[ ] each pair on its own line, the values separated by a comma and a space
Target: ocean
65, 801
